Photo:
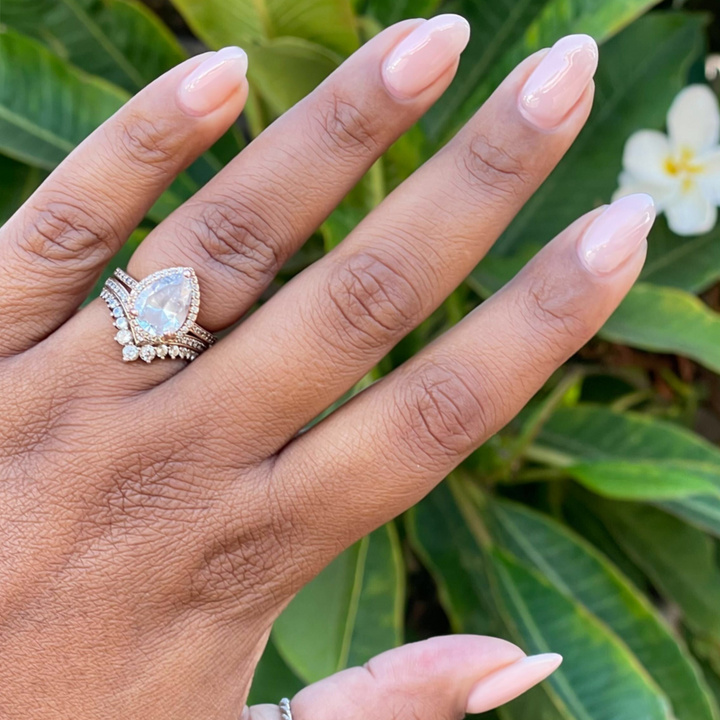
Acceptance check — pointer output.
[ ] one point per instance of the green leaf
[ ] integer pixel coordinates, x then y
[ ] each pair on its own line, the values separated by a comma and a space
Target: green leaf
577, 570
600, 679
679, 559
330, 23
119, 40
349, 613
642, 70
648, 480
285, 70
506, 32
389, 12
667, 320
47, 106
273, 679
441, 538
702, 511
17, 183
686, 263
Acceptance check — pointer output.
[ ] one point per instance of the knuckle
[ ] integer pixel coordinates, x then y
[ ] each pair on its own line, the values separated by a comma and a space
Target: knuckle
555, 314
345, 126
491, 167
235, 236
143, 142
372, 303
441, 416
61, 230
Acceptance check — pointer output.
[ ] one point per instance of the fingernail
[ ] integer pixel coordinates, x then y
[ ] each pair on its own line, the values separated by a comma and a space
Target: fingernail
212, 82
425, 54
506, 684
559, 81
616, 234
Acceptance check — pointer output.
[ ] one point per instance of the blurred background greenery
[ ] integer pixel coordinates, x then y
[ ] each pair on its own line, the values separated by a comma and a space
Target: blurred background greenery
591, 525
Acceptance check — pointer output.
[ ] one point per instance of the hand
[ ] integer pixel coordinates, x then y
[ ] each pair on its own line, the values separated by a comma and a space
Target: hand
155, 519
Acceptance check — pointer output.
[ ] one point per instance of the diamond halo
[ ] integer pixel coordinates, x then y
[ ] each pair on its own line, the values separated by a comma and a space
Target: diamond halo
155, 317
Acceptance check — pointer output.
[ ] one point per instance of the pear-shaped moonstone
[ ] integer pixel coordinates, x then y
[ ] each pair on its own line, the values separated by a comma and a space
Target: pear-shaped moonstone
163, 306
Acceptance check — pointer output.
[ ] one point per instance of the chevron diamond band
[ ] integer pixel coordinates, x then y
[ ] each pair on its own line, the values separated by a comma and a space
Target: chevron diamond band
285, 711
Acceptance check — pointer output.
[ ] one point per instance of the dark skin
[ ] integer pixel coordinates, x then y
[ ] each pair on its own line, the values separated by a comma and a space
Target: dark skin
156, 519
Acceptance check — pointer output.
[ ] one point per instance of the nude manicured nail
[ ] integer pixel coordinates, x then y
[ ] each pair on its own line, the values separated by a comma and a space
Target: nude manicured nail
616, 234
559, 81
508, 683
425, 54
212, 82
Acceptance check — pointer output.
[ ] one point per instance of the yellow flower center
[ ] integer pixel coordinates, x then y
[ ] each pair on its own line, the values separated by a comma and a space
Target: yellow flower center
683, 165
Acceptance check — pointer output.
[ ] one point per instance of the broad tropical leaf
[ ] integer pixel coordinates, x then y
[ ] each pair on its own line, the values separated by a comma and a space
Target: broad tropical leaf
119, 40
577, 569
349, 613
667, 320
680, 560
506, 32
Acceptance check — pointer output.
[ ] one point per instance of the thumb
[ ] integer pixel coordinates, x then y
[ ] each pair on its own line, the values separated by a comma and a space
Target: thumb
437, 679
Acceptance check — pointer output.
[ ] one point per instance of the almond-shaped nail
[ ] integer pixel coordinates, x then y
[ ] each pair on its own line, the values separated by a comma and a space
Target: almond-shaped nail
559, 81
511, 681
212, 82
615, 235
425, 54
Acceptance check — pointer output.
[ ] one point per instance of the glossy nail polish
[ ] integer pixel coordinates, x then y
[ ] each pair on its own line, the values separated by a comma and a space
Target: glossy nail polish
511, 681
616, 234
210, 84
425, 54
559, 81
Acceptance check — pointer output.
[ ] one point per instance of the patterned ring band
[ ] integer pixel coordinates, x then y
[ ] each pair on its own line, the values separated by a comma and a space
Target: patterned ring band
285, 711
155, 317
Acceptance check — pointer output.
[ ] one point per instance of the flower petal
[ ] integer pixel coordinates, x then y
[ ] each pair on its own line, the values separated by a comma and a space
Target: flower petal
709, 179
691, 213
662, 193
694, 119
646, 154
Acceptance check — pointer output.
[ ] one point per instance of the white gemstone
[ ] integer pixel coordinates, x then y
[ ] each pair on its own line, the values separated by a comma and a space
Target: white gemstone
147, 353
121, 323
161, 351
117, 312
174, 351
163, 306
124, 337
130, 353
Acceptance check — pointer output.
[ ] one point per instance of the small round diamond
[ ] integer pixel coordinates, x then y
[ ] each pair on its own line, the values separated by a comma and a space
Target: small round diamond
117, 312
147, 353
174, 351
161, 351
130, 353
124, 337
122, 323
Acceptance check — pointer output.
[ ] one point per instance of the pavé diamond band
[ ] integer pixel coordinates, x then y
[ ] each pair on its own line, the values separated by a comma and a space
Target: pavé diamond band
155, 317
285, 711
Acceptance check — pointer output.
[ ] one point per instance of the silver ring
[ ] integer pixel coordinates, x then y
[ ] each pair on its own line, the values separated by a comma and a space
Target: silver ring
155, 317
285, 711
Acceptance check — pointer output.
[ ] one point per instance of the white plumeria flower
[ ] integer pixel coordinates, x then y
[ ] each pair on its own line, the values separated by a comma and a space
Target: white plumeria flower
680, 170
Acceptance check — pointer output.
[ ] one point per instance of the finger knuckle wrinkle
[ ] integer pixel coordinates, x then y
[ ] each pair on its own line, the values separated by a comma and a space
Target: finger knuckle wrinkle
371, 302
492, 167
145, 142
346, 127
62, 231
443, 417
554, 314
236, 237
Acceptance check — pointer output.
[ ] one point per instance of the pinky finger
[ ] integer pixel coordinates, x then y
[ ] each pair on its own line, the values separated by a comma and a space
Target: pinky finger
438, 679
